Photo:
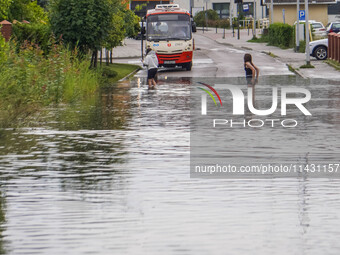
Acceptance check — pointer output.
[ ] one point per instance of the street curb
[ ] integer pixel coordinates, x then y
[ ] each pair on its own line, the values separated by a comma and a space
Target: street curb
295, 71
246, 48
130, 57
130, 74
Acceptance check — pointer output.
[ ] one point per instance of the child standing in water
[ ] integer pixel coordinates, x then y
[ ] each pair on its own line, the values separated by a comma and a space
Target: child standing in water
151, 61
252, 72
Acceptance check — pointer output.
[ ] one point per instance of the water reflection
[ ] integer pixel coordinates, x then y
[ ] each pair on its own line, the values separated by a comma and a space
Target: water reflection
2, 223
111, 176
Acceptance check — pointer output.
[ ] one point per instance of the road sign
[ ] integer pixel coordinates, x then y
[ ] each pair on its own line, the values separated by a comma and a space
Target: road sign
245, 7
302, 15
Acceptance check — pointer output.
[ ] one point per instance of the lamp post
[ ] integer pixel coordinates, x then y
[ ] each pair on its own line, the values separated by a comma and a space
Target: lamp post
307, 34
271, 11
297, 34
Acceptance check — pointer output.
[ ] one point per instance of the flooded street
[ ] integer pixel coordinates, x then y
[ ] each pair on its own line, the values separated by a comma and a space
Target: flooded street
112, 176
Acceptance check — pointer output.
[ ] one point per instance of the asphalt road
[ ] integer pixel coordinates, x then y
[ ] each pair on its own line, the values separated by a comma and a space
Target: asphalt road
212, 59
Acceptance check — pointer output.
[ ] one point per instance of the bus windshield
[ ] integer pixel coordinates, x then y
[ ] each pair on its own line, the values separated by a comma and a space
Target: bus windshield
168, 27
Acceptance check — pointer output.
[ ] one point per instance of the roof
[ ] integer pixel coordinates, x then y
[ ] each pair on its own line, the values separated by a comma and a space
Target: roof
167, 8
5, 22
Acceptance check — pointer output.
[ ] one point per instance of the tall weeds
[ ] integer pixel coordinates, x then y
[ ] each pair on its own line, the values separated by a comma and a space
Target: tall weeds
30, 79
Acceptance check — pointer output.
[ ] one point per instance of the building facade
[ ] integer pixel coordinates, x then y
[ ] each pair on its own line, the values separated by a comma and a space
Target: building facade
285, 10
225, 8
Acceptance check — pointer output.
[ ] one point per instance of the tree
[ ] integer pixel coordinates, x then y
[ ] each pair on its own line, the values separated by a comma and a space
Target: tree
131, 23
43, 3
123, 23
4, 9
200, 17
27, 10
82, 23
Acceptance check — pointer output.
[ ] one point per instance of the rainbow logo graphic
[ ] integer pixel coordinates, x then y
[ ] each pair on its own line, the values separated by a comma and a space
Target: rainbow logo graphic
209, 93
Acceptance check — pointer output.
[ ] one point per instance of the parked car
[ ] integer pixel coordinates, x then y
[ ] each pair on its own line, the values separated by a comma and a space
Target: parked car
319, 48
333, 27
318, 29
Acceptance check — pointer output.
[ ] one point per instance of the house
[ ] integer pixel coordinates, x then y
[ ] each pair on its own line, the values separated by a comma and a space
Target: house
285, 10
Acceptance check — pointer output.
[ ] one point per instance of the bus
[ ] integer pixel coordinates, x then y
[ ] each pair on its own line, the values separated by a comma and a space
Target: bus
169, 33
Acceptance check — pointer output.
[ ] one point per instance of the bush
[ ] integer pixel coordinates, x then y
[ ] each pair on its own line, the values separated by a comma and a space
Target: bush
281, 35
302, 46
200, 17
35, 34
3, 46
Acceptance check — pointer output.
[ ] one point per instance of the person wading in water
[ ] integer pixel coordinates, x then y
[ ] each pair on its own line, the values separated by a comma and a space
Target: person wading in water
151, 61
252, 72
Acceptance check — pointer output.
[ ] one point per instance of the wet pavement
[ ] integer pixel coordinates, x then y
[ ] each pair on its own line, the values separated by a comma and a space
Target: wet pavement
112, 176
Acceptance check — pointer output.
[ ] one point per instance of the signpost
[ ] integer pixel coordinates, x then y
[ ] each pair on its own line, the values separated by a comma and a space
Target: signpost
297, 29
307, 34
302, 14
238, 2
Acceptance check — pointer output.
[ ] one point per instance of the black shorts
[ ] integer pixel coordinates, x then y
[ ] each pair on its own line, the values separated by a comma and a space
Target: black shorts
152, 73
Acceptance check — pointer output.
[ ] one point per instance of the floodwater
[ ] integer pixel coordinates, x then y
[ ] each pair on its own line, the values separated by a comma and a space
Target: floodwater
112, 176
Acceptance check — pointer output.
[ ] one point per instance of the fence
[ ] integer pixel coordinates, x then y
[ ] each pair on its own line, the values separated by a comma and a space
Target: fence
334, 47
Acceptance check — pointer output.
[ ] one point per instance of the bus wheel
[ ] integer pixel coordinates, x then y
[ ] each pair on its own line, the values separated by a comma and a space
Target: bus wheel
188, 66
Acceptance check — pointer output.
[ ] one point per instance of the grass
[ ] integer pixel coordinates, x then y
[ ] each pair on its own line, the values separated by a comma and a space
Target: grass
333, 63
262, 39
290, 68
307, 66
116, 72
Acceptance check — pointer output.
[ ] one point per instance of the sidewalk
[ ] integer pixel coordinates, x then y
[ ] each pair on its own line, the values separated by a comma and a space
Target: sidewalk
288, 56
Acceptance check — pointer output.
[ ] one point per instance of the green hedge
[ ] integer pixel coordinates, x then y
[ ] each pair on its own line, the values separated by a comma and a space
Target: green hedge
200, 17
281, 35
34, 33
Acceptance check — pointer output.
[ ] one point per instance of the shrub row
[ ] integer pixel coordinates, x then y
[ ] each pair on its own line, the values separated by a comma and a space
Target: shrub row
281, 35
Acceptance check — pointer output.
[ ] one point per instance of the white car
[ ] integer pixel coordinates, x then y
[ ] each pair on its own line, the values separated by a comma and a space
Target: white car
318, 29
319, 48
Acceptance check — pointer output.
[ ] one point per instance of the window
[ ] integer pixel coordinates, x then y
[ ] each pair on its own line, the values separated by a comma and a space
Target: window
222, 9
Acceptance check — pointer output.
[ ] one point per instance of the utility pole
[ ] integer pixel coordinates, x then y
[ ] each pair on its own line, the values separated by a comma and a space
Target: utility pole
254, 7
307, 34
297, 32
271, 11
238, 21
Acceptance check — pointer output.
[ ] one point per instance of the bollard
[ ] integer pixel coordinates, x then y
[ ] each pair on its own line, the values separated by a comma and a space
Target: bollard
337, 47
233, 31
216, 29
223, 33
333, 46
330, 46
